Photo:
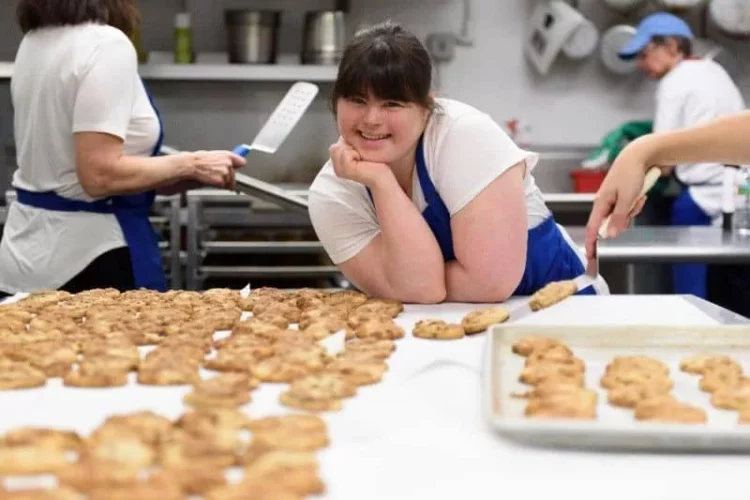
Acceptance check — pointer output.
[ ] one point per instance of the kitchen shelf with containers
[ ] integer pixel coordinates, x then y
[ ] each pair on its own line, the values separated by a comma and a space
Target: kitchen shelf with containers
252, 51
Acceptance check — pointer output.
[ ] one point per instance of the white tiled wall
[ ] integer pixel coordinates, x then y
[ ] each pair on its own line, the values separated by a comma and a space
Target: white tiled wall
575, 104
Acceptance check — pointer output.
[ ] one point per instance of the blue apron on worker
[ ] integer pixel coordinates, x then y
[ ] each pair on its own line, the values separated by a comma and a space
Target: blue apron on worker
132, 213
549, 257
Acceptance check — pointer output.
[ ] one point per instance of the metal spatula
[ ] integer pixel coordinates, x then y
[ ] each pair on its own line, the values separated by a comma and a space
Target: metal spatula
271, 136
282, 120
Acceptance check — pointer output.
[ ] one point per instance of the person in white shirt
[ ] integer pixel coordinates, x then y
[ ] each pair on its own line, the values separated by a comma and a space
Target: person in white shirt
690, 91
424, 199
88, 136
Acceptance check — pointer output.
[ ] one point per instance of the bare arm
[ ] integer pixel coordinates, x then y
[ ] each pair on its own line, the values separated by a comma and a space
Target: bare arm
489, 236
103, 169
404, 261
723, 140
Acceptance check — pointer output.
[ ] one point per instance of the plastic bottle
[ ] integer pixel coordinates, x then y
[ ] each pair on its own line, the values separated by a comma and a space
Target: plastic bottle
183, 39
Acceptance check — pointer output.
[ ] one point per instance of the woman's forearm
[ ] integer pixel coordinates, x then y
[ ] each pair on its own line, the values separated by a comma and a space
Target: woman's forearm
135, 174
411, 257
724, 140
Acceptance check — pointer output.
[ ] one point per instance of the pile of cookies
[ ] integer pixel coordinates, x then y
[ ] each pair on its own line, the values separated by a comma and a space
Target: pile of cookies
558, 380
91, 340
723, 378
643, 384
146, 456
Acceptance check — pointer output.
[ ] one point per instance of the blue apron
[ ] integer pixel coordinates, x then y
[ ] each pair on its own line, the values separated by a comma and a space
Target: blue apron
131, 211
549, 257
690, 277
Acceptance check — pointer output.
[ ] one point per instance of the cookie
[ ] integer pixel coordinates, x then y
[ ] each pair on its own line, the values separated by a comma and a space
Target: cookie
291, 470
556, 354
700, 364
361, 371
380, 348
325, 328
26, 460
229, 390
375, 329
437, 329
667, 409
718, 378
561, 373
292, 401
150, 428
384, 307
732, 398
290, 432
628, 396
61, 493
52, 439
636, 377
322, 386
479, 320
528, 345
637, 363
579, 405
549, 388
256, 491
285, 368
126, 451
551, 294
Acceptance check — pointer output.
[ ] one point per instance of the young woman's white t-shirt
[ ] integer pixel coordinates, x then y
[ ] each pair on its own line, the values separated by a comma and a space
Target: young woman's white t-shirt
68, 79
465, 150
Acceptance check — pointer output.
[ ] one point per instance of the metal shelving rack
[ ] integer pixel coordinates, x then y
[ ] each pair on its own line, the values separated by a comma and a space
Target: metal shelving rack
212, 214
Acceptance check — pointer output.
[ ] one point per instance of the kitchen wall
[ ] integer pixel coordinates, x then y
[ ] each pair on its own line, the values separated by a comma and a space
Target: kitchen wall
572, 106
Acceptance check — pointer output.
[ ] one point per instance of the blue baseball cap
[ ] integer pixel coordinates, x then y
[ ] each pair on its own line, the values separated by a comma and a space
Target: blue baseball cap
657, 24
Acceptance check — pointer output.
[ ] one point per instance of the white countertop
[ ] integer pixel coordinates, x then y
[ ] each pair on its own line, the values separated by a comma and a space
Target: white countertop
420, 433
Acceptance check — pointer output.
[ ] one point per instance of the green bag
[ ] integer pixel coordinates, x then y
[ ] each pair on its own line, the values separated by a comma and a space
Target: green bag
616, 140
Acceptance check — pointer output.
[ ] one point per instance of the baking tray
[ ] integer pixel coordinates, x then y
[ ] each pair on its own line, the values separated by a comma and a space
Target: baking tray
269, 192
616, 428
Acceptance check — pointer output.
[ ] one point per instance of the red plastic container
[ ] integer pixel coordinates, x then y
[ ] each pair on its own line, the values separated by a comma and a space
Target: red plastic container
586, 180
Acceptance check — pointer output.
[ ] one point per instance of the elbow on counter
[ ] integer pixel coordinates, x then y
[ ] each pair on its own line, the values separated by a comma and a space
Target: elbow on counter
429, 295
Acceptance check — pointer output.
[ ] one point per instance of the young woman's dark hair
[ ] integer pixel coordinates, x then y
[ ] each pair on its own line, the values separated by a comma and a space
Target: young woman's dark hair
35, 14
387, 61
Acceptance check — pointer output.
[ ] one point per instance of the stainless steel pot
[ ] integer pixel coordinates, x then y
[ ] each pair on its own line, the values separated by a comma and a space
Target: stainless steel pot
324, 37
252, 36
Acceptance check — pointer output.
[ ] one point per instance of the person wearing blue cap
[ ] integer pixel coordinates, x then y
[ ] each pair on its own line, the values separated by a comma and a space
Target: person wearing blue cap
691, 91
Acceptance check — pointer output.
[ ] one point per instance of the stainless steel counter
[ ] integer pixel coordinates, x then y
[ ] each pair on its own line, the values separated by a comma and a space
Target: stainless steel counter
668, 244
671, 244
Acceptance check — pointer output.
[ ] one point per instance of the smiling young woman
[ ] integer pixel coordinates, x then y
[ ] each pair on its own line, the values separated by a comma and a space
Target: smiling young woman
427, 199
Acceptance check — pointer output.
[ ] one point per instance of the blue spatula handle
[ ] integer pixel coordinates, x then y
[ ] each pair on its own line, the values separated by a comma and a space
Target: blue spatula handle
241, 150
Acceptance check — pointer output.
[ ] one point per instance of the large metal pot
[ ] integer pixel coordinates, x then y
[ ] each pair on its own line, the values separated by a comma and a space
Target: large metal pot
252, 36
324, 37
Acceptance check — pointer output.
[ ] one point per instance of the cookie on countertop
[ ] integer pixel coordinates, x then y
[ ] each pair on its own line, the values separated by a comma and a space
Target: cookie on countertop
480, 320
551, 294
437, 329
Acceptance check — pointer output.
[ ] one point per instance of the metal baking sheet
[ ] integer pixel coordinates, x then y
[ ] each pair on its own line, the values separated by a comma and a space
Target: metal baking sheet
616, 428
269, 192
